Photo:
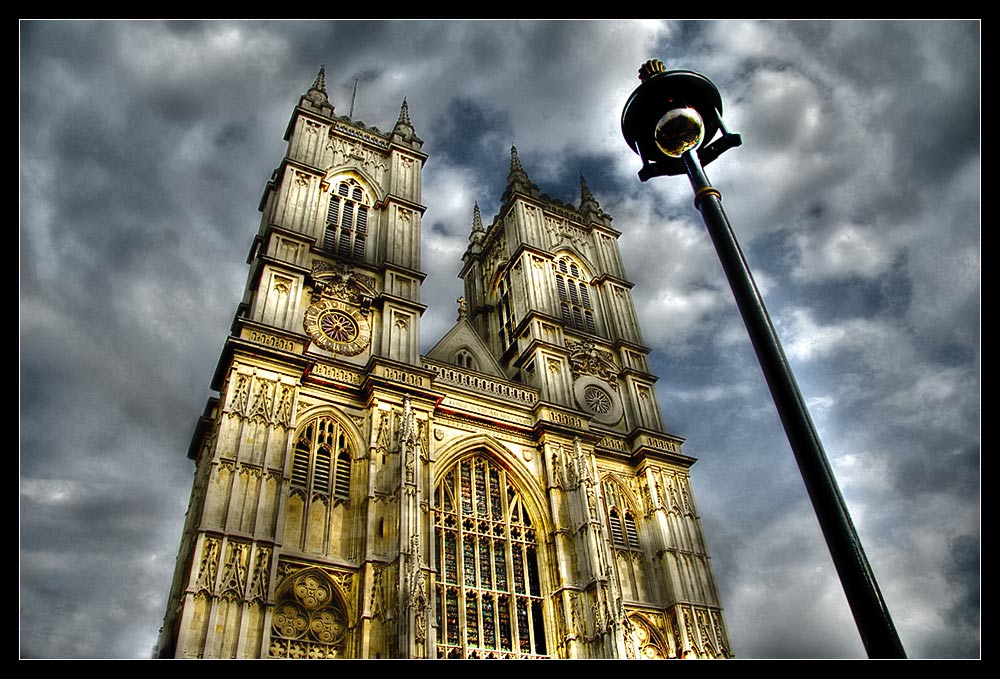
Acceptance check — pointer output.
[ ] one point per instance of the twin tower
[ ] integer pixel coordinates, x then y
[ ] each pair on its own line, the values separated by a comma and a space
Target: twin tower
510, 494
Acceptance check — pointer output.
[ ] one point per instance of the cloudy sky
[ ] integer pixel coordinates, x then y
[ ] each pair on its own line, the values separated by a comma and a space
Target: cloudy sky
144, 149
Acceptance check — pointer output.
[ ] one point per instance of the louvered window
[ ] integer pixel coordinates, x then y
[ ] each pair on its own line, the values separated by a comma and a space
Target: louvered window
621, 520
347, 221
506, 313
321, 459
575, 305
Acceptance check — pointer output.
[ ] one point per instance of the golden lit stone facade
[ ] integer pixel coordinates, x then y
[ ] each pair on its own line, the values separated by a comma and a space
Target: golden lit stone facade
510, 494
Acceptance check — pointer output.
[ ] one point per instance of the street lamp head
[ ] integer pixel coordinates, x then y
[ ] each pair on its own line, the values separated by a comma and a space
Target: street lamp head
679, 131
670, 113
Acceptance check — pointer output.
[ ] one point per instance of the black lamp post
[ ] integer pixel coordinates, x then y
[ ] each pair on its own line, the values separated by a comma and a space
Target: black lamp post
671, 120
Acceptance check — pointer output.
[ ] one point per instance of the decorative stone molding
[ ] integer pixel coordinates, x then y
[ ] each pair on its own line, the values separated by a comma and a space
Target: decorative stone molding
207, 569
376, 601
564, 231
337, 280
233, 583
350, 130
586, 359
258, 583
483, 384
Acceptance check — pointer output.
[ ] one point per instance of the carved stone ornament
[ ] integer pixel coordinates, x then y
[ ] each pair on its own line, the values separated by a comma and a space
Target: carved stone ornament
494, 257
207, 568
376, 601
262, 400
234, 574
586, 359
307, 620
258, 585
563, 231
338, 281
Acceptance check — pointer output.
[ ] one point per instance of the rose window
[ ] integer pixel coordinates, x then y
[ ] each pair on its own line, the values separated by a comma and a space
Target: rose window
307, 623
597, 400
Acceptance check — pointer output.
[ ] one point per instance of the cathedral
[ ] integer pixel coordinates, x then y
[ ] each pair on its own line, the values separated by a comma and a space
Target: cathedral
512, 493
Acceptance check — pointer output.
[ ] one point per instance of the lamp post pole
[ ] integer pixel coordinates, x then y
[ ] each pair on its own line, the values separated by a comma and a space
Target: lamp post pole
670, 121
871, 614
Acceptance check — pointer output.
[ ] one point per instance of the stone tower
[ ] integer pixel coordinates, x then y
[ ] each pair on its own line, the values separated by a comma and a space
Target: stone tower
511, 494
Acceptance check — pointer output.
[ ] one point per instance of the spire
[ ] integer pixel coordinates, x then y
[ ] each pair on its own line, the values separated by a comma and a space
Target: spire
515, 162
403, 130
517, 178
589, 207
320, 82
585, 195
477, 219
404, 115
316, 96
587, 199
478, 232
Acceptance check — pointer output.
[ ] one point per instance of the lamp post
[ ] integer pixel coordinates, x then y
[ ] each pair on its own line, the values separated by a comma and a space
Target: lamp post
671, 120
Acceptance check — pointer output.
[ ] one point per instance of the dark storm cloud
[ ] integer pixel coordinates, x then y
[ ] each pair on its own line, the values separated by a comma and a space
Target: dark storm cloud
477, 137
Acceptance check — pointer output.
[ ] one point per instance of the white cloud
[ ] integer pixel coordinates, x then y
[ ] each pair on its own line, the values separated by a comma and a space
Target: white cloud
805, 339
838, 253
713, 392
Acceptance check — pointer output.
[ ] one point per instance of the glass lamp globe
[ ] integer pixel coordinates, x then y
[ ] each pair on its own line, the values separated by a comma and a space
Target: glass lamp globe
679, 131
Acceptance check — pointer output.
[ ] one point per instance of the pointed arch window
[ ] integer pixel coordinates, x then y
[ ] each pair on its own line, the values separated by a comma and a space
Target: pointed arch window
321, 460
465, 359
621, 519
347, 220
574, 296
489, 601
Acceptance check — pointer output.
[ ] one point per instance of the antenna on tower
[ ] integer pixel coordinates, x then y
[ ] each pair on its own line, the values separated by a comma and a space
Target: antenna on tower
353, 96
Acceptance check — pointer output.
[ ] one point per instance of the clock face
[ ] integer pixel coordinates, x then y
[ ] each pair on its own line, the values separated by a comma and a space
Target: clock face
337, 327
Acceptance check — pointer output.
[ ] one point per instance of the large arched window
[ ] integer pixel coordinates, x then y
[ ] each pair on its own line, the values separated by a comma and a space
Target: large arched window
321, 461
489, 602
574, 296
347, 220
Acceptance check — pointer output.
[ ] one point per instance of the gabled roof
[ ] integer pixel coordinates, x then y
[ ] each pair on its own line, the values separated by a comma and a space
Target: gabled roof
463, 336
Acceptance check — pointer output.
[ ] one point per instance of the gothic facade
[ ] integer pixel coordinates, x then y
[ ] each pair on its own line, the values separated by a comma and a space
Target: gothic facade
511, 494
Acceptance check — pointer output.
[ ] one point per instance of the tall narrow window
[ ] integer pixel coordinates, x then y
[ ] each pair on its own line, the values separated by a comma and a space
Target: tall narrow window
489, 601
347, 221
321, 459
574, 296
506, 315
621, 519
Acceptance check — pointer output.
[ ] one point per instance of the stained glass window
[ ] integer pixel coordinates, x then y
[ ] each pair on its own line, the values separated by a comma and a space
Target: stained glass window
488, 538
